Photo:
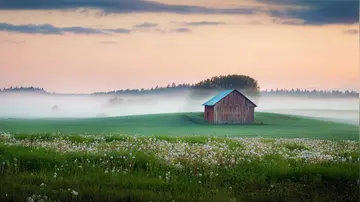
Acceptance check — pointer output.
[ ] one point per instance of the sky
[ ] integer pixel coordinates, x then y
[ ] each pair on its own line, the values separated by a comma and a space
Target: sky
81, 46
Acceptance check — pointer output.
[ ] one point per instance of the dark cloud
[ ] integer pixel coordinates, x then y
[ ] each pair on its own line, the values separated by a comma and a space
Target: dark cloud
108, 42
351, 31
312, 12
11, 42
202, 23
146, 25
48, 29
118, 31
52, 30
317, 12
30, 28
117, 6
182, 29
81, 30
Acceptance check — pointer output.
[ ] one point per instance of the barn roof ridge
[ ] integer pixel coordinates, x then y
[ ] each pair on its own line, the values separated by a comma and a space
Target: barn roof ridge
221, 95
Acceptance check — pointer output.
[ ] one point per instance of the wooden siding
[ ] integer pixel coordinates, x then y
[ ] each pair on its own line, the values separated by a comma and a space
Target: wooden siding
234, 108
209, 114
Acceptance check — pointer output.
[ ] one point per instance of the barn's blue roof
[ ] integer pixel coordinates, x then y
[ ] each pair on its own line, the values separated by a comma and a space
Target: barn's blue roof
220, 96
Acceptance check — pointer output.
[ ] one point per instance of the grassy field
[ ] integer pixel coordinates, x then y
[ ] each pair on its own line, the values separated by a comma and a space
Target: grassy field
90, 159
60, 167
267, 125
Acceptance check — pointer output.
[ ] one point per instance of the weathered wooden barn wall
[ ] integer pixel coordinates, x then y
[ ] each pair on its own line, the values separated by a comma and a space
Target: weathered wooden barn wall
209, 114
234, 108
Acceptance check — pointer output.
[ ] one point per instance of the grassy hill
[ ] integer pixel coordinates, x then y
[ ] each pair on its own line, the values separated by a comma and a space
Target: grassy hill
267, 125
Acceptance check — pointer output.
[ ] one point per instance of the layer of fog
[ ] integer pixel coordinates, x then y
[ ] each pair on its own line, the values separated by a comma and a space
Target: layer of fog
344, 110
15, 105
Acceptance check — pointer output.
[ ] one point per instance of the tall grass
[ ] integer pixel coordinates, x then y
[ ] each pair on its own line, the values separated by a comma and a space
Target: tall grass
56, 167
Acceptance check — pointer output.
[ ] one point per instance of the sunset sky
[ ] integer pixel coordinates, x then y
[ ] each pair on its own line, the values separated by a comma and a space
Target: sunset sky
102, 45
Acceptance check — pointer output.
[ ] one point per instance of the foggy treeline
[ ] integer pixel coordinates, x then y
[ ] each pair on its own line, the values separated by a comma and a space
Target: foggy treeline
181, 87
274, 92
204, 88
23, 89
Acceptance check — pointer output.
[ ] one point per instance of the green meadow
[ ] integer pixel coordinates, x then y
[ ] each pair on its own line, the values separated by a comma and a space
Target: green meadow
266, 125
178, 157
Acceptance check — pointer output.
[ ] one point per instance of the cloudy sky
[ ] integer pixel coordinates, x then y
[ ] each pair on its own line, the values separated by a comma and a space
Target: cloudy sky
101, 45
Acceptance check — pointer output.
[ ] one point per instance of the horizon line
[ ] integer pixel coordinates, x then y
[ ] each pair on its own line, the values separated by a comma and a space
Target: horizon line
163, 87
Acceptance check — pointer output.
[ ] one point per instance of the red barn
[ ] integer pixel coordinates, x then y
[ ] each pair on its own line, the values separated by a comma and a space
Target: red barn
230, 106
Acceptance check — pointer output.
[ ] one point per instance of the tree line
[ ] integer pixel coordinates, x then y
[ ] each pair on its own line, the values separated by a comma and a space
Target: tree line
310, 93
246, 84
23, 89
241, 82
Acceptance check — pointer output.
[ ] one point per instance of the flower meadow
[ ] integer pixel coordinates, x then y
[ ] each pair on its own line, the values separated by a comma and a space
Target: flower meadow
115, 167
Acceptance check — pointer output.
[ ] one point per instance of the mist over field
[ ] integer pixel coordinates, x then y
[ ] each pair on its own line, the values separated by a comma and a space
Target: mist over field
344, 110
30, 105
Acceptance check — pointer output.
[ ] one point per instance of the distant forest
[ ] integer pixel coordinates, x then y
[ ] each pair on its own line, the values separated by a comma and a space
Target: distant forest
242, 82
23, 89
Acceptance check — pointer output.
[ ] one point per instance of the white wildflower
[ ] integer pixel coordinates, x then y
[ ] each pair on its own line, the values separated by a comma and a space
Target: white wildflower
73, 192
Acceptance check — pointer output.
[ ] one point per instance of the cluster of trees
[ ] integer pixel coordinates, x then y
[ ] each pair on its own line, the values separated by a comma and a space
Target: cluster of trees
241, 82
208, 87
23, 89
